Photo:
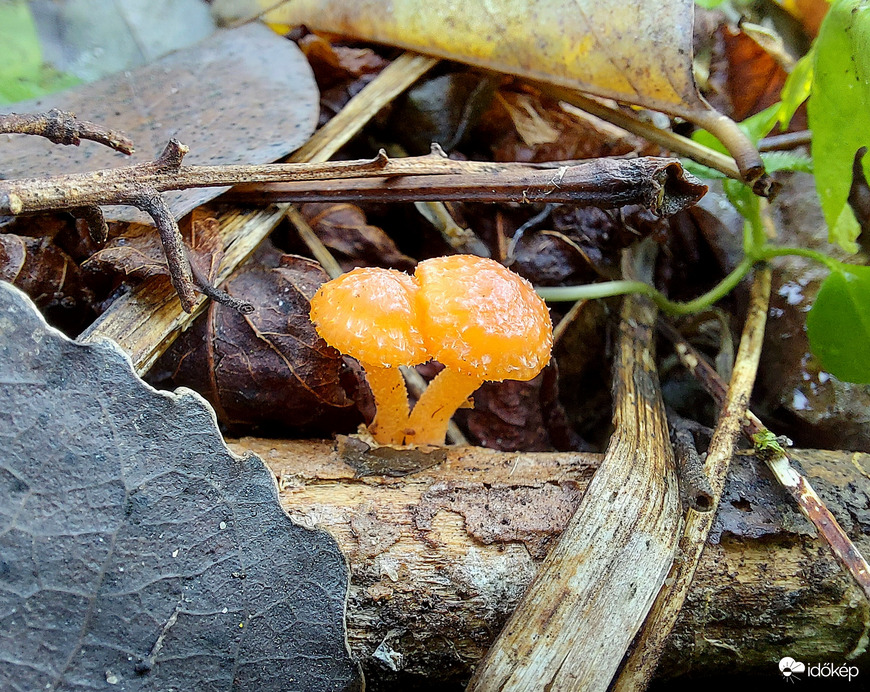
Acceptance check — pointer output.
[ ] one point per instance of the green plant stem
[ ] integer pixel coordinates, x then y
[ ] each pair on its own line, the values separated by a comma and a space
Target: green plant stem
617, 288
769, 251
607, 289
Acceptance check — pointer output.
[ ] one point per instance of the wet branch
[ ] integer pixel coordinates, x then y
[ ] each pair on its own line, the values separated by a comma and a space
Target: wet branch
657, 183
642, 661
62, 127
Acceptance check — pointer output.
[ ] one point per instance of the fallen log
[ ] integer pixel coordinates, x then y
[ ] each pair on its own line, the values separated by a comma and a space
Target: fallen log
440, 558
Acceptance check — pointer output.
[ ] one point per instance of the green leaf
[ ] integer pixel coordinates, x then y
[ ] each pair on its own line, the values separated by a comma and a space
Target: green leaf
22, 74
839, 112
773, 161
796, 89
787, 161
22, 56
838, 325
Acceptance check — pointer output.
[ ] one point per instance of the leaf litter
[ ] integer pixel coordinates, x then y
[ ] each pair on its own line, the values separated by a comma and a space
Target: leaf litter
506, 122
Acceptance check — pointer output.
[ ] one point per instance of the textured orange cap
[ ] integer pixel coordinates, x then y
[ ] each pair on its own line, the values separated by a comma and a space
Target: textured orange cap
371, 314
482, 319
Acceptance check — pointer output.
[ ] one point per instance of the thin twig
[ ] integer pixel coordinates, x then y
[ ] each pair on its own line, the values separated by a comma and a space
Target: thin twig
785, 141
95, 221
665, 138
658, 183
62, 127
751, 172
695, 487
180, 272
777, 460
649, 645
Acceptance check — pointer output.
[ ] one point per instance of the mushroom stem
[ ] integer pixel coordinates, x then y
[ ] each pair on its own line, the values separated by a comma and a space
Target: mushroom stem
428, 422
391, 401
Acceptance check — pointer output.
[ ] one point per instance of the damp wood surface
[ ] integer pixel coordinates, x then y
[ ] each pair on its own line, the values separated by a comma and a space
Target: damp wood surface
440, 558
617, 548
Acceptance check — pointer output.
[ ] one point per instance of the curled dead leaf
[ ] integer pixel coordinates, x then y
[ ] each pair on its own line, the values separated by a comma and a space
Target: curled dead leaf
754, 77
269, 368
50, 277
138, 252
333, 64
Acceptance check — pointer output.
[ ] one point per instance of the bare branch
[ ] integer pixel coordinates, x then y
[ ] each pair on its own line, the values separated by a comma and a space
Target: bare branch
657, 183
180, 271
62, 127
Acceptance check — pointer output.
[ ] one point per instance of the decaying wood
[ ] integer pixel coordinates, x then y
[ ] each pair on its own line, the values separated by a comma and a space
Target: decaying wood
639, 666
614, 554
778, 461
440, 558
147, 320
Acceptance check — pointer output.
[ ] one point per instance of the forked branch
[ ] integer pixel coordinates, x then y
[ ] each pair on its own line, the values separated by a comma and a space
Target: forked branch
657, 183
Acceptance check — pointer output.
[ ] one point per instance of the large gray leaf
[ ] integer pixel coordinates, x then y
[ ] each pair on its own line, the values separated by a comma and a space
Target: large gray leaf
243, 95
137, 552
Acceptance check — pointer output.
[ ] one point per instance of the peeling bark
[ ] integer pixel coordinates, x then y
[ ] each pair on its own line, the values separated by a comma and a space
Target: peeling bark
430, 588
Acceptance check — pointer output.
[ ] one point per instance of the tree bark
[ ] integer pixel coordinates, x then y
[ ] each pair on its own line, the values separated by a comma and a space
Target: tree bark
440, 558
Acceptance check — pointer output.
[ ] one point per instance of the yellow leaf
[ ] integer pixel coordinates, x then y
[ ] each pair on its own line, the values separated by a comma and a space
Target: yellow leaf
637, 52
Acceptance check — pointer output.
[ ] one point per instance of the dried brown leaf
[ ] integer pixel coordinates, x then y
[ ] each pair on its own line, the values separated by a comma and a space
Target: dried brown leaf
550, 258
49, 276
334, 64
521, 416
525, 126
268, 368
138, 251
754, 77
343, 229
602, 235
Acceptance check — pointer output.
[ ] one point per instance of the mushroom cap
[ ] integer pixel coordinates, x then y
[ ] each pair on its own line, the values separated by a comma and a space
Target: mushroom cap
371, 314
482, 319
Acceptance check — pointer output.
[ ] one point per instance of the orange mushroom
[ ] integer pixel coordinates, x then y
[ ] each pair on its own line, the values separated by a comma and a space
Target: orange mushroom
371, 314
483, 323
